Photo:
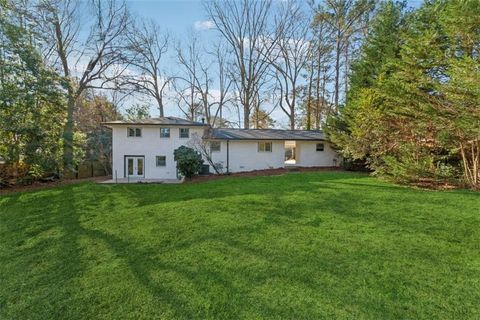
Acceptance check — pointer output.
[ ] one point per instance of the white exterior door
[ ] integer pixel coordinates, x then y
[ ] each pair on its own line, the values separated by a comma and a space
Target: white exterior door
134, 167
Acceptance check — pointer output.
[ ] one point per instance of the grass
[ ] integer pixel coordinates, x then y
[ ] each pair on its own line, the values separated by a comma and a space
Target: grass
310, 245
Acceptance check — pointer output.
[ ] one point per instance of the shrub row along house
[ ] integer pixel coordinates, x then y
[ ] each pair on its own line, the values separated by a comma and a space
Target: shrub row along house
143, 149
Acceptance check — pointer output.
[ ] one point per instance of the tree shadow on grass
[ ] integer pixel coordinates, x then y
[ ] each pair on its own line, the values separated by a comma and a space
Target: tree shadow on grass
142, 262
254, 252
142, 194
54, 267
43, 251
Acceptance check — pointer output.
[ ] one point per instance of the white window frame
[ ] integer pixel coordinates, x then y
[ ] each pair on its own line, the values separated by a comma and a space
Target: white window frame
135, 131
264, 146
323, 147
180, 133
156, 161
162, 136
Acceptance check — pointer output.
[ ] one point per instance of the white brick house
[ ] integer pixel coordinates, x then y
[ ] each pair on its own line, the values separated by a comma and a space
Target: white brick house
143, 149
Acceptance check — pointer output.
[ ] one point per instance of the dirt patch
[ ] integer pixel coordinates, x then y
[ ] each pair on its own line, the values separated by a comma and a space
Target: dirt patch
50, 184
260, 173
432, 184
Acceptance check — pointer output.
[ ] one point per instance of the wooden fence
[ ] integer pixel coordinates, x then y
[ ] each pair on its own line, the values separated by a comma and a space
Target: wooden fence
88, 169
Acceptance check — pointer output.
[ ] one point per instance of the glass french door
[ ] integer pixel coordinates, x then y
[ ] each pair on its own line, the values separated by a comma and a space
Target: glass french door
134, 167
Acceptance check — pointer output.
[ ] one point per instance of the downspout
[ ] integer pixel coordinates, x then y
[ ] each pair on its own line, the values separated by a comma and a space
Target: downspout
228, 156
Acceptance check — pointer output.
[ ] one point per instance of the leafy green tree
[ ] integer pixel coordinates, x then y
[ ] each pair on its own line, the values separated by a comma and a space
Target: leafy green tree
455, 101
67, 39
189, 161
91, 112
418, 116
361, 125
138, 111
32, 111
260, 119
381, 46
433, 93
311, 113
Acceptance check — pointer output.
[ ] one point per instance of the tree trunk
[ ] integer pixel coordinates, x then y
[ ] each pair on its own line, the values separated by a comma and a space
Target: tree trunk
471, 162
309, 97
292, 109
292, 120
337, 72
160, 106
347, 67
318, 109
68, 133
246, 113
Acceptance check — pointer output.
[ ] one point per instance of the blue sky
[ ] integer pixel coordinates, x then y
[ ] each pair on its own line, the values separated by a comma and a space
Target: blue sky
175, 16
181, 17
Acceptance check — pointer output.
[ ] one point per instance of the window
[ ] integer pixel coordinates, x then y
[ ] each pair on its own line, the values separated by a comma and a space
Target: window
164, 132
161, 161
134, 132
184, 132
215, 146
264, 147
320, 147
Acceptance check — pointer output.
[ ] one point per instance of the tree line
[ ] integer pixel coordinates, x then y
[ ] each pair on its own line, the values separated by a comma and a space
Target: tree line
384, 80
67, 65
413, 108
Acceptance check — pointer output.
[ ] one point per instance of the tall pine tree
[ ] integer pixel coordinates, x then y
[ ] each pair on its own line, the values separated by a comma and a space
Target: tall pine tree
416, 114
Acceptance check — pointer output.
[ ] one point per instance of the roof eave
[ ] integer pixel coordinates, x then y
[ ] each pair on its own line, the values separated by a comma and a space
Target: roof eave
266, 139
152, 124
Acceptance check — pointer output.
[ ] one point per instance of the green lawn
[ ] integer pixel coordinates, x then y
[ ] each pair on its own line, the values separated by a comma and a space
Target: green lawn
302, 245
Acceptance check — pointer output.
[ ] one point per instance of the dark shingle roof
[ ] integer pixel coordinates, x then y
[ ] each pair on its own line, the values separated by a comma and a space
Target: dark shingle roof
265, 134
173, 121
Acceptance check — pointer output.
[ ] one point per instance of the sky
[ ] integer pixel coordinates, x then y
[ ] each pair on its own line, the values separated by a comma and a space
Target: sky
177, 16
181, 17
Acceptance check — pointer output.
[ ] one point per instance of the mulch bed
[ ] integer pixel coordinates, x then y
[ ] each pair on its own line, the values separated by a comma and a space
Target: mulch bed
432, 184
259, 173
38, 185
45, 185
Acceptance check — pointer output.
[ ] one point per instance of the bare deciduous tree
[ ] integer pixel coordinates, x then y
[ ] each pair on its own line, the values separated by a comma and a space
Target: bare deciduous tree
245, 26
199, 70
290, 57
147, 46
85, 64
190, 78
224, 97
203, 146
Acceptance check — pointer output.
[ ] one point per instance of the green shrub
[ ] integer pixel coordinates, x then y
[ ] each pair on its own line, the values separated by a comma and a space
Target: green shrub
189, 162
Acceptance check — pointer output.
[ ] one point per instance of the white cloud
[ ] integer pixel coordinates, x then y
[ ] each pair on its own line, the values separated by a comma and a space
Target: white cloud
203, 25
